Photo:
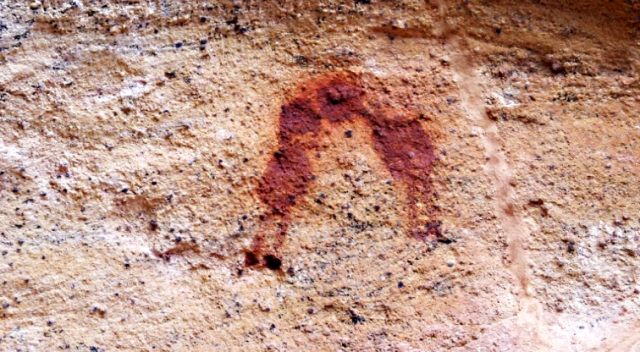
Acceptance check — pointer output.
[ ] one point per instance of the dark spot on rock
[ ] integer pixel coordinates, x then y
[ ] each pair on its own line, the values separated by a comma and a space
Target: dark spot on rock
272, 262
356, 319
250, 259
400, 284
301, 60
444, 240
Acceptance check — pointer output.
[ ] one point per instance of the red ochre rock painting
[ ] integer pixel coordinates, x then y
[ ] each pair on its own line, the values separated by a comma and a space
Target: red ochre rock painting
402, 144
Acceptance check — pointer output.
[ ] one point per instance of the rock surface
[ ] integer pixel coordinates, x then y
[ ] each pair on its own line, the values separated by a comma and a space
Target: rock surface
324, 176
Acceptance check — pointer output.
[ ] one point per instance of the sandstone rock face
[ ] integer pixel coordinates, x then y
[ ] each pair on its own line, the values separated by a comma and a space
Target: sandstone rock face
319, 176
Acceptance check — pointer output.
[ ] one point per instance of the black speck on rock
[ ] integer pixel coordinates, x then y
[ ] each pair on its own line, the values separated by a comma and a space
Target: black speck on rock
355, 319
273, 263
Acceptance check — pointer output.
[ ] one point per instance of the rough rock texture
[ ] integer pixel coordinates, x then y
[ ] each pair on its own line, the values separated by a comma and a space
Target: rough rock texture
318, 175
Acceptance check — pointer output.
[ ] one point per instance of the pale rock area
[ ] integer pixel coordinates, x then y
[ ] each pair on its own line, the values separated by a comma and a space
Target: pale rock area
133, 135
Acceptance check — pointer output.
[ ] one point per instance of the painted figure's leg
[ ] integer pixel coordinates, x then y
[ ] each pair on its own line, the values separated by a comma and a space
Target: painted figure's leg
286, 178
408, 154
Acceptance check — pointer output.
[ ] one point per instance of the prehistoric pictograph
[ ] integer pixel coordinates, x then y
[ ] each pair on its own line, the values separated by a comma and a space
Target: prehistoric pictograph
403, 145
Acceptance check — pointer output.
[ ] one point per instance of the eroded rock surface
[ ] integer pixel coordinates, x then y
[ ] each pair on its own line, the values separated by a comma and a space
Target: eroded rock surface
339, 176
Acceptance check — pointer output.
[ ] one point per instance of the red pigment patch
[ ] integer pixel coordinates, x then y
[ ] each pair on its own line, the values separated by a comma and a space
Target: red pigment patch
408, 154
287, 177
298, 117
339, 101
401, 143
405, 149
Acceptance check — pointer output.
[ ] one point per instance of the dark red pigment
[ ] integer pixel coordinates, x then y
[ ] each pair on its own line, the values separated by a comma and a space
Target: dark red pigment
402, 144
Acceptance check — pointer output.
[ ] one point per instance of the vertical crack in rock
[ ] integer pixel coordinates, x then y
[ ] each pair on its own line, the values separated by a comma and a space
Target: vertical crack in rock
498, 169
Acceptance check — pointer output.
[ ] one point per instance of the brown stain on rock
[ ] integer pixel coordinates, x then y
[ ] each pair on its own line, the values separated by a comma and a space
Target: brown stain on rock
404, 147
